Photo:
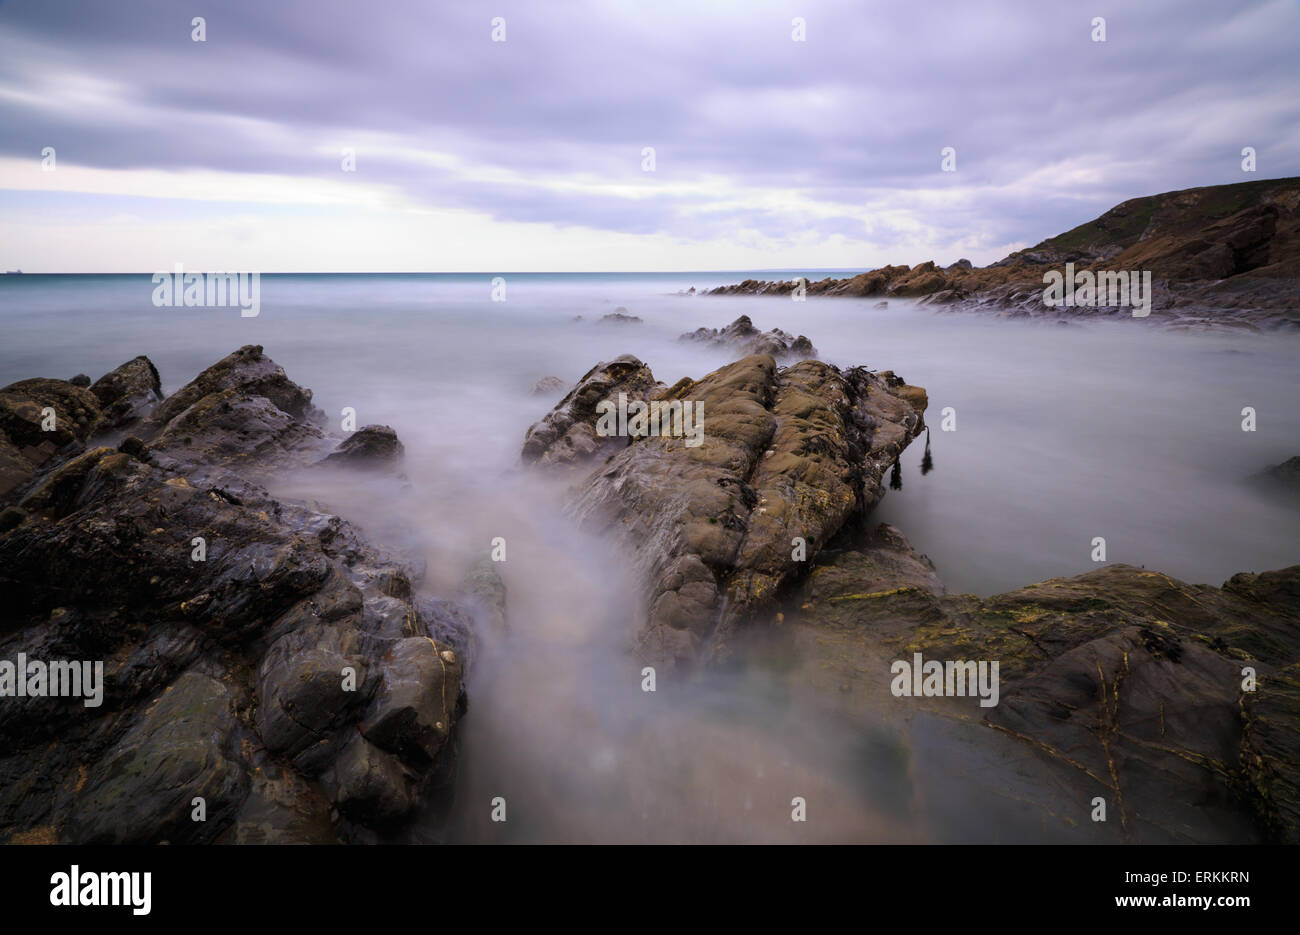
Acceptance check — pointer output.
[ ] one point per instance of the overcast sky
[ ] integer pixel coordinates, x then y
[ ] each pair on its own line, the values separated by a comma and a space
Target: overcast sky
479, 155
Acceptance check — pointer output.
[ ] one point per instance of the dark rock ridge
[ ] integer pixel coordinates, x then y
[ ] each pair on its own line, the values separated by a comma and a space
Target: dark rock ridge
1121, 683
741, 337
786, 452
282, 669
1226, 254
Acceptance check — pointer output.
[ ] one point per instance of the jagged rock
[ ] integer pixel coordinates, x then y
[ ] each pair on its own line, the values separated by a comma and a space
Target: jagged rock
620, 316
233, 626
243, 412
370, 447
743, 338
249, 371
784, 454
568, 433
129, 393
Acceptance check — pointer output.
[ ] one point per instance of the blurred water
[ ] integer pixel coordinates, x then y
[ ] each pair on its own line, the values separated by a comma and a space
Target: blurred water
1063, 433
1113, 429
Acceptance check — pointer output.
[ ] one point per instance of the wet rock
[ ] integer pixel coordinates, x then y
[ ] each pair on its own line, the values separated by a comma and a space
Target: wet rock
129, 393
233, 626
412, 710
710, 528
1119, 683
620, 316
743, 338
567, 435
181, 747
370, 447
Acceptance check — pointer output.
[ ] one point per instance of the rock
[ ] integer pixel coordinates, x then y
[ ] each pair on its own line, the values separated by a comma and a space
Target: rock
181, 747
250, 372
243, 412
134, 447
80, 380
129, 393
233, 627
1224, 256
39, 420
1282, 478
10, 517
547, 386
370, 447
486, 593
620, 316
784, 454
76, 412
1120, 683
743, 338
568, 433
412, 711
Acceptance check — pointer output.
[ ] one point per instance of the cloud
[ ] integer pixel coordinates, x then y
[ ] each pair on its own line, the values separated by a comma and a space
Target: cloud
833, 140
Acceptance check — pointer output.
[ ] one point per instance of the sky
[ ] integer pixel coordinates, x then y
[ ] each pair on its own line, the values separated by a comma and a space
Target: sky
784, 135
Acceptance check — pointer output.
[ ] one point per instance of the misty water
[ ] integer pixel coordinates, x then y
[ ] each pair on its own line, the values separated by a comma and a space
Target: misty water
1063, 433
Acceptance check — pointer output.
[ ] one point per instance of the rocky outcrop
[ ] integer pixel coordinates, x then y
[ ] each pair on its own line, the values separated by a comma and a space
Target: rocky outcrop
741, 337
1227, 255
262, 663
567, 435
785, 456
1120, 684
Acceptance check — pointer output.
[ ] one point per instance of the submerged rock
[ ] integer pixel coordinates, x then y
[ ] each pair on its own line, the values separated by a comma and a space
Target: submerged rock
1284, 477
743, 338
547, 386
